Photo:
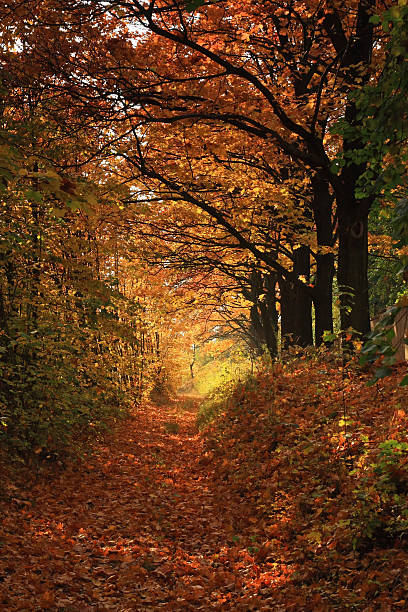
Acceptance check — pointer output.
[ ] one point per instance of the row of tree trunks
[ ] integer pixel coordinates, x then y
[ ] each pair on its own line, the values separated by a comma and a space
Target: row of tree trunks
352, 219
296, 299
263, 330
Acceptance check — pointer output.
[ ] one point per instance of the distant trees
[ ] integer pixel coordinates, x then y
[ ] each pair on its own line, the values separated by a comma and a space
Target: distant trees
82, 331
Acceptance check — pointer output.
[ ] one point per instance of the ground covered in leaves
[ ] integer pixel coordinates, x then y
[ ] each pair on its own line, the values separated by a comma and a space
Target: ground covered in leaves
138, 527
292, 497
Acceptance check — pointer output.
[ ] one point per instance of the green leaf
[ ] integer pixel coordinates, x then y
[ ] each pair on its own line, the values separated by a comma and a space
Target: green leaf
194, 4
372, 382
382, 373
59, 212
404, 381
36, 196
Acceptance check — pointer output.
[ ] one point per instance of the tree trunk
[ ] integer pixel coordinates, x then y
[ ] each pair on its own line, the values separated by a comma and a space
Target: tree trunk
256, 331
287, 313
263, 313
303, 332
269, 315
352, 268
323, 291
352, 274
193, 361
35, 263
296, 304
323, 296
353, 213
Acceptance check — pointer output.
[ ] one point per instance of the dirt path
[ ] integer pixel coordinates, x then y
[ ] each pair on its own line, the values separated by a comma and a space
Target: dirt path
139, 527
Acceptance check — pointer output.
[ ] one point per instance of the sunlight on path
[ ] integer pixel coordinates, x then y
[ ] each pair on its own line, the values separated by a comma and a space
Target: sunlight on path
139, 527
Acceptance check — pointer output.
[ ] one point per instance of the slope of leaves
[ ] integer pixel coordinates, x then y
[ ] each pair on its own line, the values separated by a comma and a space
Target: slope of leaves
317, 464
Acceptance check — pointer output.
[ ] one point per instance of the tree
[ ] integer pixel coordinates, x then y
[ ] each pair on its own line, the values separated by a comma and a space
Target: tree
83, 332
310, 62
156, 72
139, 97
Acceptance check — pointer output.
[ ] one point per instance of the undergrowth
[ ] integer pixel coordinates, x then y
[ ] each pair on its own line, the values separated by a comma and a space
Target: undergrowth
321, 461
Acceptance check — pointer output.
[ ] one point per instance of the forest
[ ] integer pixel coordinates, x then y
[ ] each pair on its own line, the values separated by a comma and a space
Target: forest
203, 305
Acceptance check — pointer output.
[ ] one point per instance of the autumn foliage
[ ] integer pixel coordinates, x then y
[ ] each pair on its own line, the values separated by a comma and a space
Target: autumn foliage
195, 193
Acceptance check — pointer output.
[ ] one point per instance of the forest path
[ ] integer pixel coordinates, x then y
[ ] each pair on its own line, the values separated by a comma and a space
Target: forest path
140, 526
